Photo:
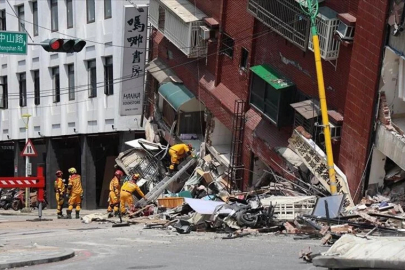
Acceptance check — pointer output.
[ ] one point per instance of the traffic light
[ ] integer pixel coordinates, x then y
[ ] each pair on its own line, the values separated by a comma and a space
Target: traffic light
63, 45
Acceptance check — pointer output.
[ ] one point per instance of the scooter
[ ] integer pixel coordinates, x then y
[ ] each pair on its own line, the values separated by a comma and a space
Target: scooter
19, 200
7, 197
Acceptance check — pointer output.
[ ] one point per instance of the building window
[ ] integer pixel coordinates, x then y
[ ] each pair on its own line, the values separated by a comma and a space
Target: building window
3, 20
54, 15
56, 84
4, 93
69, 13
162, 19
272, 94
22, 83
227, 45
244, 59
107, 9
91, 67
21, 18
71, 81
108, 76
35, 17
91, 11
37, 100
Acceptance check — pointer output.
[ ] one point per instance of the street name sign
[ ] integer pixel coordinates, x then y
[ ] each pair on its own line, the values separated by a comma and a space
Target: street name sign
13, 42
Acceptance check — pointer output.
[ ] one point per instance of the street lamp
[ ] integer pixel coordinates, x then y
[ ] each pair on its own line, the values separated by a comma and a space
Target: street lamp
26, 119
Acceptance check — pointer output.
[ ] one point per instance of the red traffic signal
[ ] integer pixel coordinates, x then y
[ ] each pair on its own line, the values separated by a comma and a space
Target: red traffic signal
63, 45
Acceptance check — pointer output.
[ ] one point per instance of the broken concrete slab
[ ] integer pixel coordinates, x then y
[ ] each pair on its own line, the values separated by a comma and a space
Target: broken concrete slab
370, 253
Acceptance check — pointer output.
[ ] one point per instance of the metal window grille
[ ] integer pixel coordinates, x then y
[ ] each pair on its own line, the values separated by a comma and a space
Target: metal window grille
284, 17
326, 24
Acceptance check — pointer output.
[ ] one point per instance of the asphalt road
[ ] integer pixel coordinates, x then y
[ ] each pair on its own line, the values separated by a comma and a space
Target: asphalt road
99, 246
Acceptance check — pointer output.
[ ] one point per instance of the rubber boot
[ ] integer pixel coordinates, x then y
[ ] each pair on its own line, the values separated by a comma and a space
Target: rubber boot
68, 214
77, 214
60, 215
110, 215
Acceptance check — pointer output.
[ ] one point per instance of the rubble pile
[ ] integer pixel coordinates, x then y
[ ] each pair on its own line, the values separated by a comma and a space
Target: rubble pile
200, 196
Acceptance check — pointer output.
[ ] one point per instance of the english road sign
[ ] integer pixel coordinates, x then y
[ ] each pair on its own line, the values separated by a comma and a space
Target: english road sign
13, 42
29, 150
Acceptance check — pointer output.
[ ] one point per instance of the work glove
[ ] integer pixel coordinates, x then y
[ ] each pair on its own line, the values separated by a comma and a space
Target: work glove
81, 196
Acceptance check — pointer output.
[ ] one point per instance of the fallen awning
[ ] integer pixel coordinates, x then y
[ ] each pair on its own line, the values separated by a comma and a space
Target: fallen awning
161, 72
271, 76
179, 97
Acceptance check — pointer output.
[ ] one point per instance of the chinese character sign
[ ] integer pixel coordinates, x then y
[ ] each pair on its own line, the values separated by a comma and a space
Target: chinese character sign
13, 42
133, 69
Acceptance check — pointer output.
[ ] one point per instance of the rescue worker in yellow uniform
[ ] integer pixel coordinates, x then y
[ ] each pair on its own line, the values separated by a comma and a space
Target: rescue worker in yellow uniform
114, 195
75, 193
59, 187
177, 152
126, 193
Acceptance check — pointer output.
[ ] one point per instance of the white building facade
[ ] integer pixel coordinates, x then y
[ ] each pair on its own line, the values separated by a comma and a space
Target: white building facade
74, 99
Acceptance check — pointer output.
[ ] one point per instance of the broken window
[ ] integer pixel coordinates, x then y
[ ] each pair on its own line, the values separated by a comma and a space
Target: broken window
227, 45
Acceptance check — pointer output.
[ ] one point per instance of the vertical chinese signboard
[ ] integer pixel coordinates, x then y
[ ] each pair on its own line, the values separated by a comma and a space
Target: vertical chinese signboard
133, 69
315, 160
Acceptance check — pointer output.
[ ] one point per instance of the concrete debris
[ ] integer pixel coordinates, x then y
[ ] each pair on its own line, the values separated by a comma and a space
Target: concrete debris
200, 195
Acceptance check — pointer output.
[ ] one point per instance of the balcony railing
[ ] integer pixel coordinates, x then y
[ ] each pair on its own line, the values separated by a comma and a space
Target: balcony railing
181, 28
284, 17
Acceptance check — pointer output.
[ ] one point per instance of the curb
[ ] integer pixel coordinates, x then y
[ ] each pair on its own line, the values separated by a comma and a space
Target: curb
66, 255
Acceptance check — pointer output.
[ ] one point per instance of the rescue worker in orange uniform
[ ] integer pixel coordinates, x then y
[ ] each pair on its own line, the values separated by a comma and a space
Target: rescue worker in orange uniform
75, 193
178, 152
59, 187
126, 193
114, 195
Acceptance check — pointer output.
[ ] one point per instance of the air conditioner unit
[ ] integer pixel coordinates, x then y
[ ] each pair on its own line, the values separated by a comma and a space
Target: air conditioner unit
205, 32
345, 32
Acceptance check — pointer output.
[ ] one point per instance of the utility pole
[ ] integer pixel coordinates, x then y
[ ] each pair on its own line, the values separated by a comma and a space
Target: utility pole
27, 208
312, 11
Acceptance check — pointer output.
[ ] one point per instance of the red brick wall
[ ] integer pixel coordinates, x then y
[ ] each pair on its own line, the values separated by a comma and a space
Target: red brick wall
239, 25
349, 91
361, 98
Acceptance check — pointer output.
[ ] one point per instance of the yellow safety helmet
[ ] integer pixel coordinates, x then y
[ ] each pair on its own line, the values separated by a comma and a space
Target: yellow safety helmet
135, 176
72, 170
